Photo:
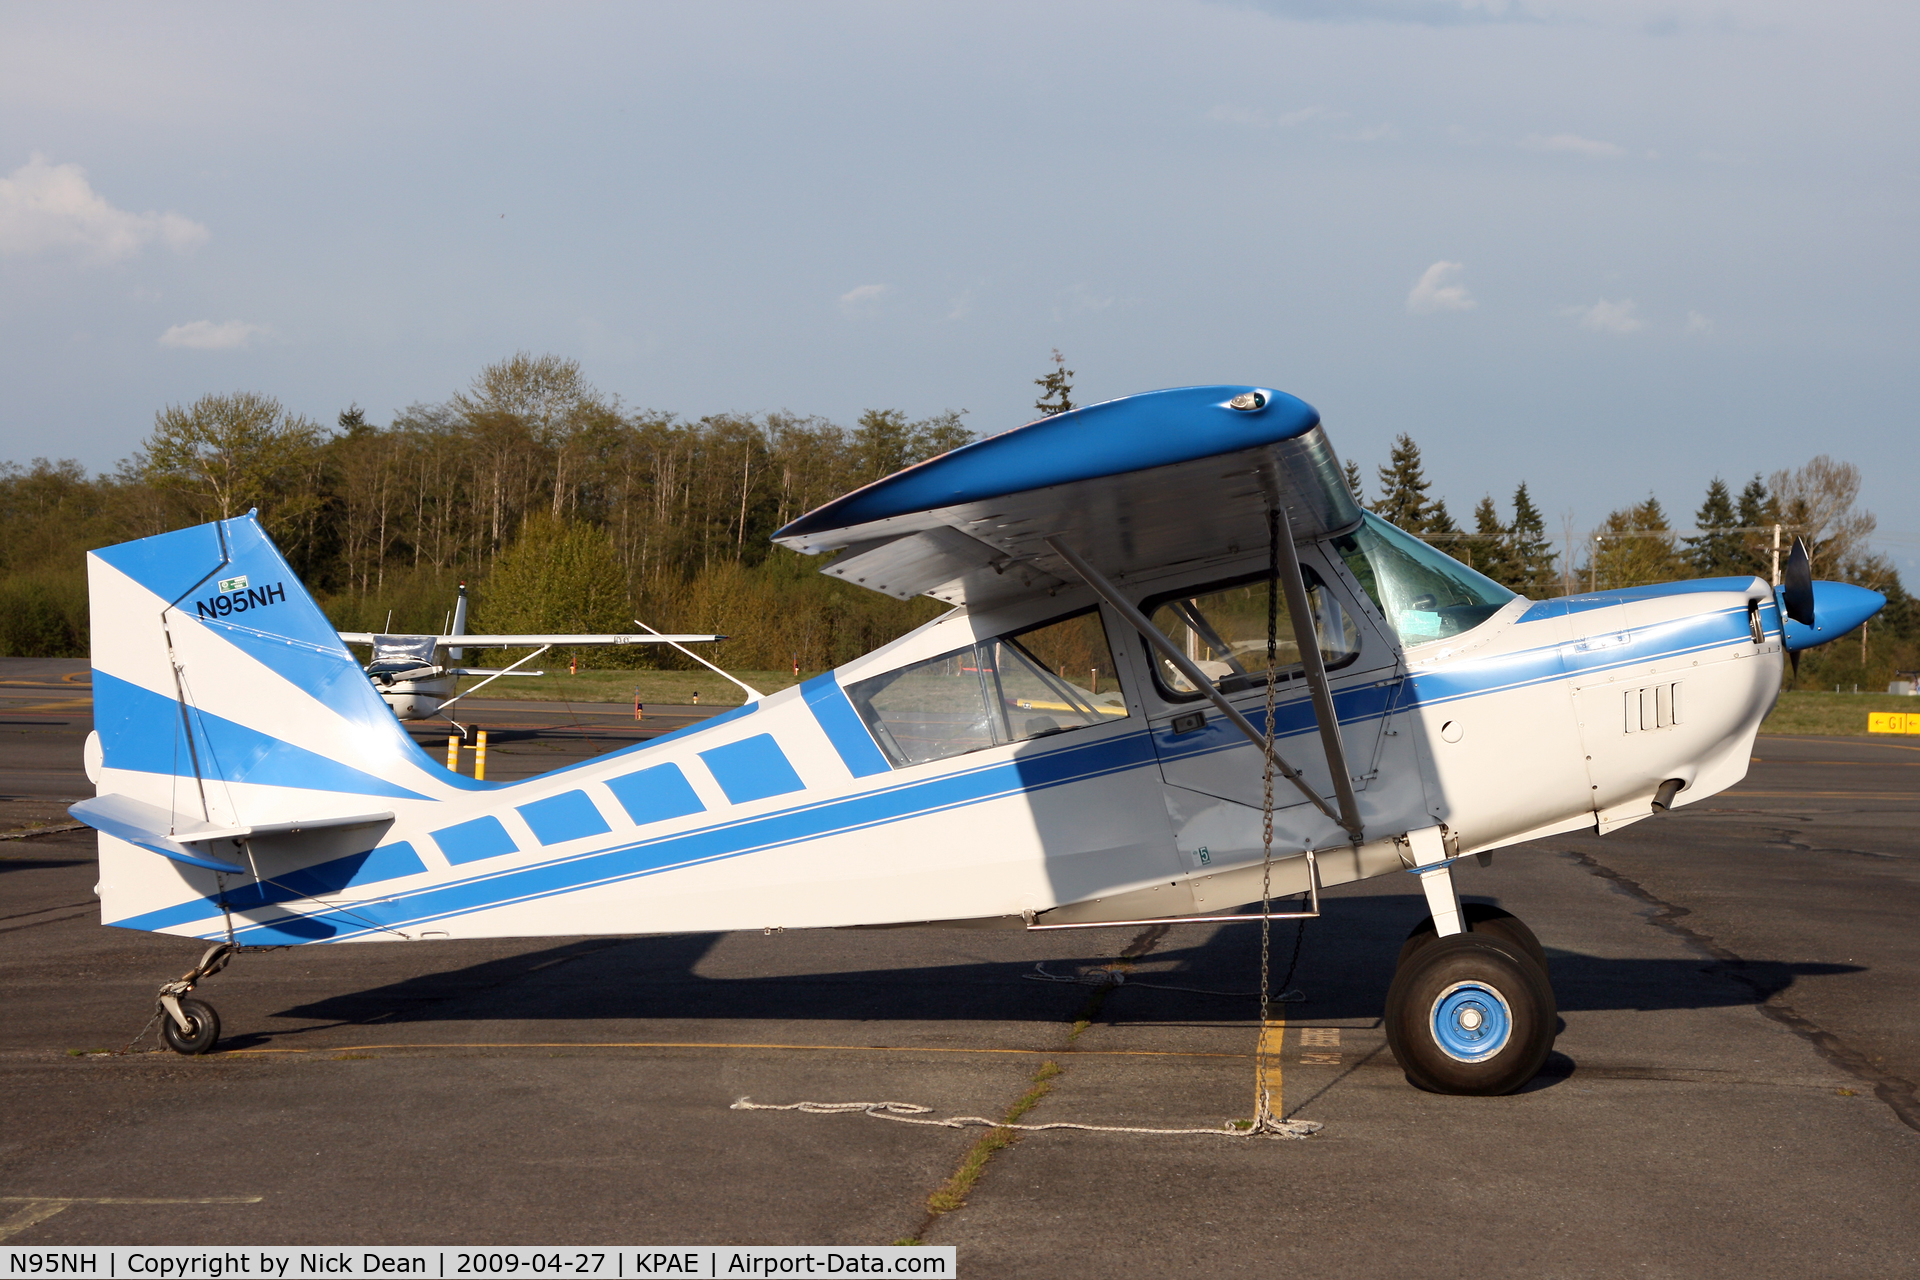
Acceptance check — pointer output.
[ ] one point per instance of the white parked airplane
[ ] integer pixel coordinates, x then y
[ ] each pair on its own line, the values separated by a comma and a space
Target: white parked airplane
417, 675
1077, 743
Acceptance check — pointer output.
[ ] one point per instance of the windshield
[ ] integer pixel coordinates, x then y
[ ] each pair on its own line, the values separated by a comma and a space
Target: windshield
1425, 593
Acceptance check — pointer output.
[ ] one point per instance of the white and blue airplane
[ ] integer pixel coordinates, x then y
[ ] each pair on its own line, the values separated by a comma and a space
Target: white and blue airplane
1078, 742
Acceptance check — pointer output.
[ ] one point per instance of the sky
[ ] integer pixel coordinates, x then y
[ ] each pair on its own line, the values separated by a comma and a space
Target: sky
1610, 249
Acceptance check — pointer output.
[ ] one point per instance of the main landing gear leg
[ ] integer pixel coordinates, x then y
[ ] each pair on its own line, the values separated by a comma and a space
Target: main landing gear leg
1442, 899
1471, 1008
187, 1025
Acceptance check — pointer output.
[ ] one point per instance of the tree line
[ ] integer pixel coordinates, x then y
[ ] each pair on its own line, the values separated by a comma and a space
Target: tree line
1637, 545
566, 510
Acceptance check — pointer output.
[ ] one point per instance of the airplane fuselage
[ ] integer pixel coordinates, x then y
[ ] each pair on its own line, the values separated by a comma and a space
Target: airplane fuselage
1546, 717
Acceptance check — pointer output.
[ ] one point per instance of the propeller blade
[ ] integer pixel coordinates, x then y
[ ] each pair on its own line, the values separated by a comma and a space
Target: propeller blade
1796, 588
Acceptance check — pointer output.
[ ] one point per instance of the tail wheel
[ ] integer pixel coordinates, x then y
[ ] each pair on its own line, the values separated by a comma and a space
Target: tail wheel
203, 1028
1480, 918
1470, 1014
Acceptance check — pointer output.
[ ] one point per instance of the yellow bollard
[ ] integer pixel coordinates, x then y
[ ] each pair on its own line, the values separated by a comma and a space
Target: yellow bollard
453, 753
480, 756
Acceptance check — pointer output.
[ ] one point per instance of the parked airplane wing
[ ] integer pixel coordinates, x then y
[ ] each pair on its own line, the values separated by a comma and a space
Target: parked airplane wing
1150, 481
529, 641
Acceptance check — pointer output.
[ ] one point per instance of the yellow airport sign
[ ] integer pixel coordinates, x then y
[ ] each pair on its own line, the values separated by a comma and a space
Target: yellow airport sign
1893, 722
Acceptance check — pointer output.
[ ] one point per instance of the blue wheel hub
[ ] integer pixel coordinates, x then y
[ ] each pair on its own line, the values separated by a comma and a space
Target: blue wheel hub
1471, 1022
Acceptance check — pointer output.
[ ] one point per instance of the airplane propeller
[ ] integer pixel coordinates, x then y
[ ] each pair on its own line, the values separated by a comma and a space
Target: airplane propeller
1797, 584
1796, 592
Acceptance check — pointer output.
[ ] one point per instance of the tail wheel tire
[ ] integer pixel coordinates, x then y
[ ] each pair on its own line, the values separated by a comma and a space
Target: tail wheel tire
1481, 918
203, 1028
1470, 1014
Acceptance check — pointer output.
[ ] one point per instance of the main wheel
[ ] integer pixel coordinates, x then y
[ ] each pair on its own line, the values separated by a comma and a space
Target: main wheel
1481, 918
1470, 1014
203, 1028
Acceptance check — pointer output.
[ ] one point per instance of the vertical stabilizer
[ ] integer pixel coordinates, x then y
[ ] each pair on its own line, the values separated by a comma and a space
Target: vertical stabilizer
222, 693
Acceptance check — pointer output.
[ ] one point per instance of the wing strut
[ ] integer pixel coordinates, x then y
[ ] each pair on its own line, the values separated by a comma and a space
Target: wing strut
1295, 584
1152, 635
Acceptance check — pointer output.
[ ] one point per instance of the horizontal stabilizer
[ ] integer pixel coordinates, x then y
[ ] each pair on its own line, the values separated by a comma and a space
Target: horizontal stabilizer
158, 831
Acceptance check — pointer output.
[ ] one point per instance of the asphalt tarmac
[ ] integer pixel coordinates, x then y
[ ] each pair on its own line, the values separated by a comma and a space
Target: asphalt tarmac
1732, 1092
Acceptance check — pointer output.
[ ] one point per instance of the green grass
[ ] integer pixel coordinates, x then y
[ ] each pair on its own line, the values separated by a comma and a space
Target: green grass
1826, 712
953, 1194
665, 688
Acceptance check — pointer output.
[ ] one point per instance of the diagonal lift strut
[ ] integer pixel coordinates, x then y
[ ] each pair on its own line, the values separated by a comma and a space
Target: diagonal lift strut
1294, 584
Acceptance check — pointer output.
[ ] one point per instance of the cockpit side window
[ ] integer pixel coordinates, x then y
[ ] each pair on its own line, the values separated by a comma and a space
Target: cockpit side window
1052, 678
1425, 593
1222, 629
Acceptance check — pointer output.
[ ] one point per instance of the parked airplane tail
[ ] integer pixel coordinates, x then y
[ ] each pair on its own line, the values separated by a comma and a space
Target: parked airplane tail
227, 708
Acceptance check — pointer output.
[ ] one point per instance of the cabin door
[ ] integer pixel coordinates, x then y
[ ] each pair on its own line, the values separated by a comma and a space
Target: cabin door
1204, 760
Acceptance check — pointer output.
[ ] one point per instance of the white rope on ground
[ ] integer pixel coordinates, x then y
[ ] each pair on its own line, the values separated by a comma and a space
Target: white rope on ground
1106, 977
909, 1113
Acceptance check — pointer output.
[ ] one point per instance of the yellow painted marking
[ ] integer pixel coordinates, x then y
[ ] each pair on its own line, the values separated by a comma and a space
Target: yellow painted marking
1838, 795
65, 704
1272, 1036
729, 1044
39, 1208
1897, 746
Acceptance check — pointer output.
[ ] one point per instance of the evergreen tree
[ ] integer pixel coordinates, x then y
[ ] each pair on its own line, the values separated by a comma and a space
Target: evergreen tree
1757, 509
1403, 488
1353, 482
1634, 548
1717, 553
1438, 526
1530, 549
1488, 549
1056, 389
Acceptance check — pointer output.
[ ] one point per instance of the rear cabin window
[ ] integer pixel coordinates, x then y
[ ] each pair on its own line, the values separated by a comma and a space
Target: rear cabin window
1053, 678
1222, 628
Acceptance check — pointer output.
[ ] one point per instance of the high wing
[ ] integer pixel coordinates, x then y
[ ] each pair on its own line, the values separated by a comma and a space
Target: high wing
1147, 482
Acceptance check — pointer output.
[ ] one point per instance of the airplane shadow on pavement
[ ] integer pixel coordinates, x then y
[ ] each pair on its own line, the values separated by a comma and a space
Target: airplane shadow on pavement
1346, 963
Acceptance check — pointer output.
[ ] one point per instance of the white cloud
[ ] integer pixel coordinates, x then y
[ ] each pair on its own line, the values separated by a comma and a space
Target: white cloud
1607, 317
862, 298
205, 335
46, 207
1225, 114
1439, 289
1377, 133
1697, 323
1575, 143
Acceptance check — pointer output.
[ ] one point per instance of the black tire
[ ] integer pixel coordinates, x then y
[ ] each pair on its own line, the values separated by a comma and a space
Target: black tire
205, 1031
1470, 1014
1481, 918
